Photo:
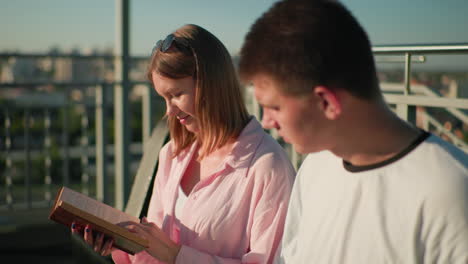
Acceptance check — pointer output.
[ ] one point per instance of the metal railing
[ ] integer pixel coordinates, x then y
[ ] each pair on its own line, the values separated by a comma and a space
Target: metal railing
22, 148
407, 96
92, 152
100, 152
411, 95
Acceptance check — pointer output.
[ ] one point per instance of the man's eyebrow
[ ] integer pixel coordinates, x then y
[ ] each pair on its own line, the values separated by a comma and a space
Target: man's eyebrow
268, 105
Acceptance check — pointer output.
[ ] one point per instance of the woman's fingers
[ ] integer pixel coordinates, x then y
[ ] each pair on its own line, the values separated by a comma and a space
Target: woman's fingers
88, 235
74, 228
107, 248
98, 243
155, 231
134, 227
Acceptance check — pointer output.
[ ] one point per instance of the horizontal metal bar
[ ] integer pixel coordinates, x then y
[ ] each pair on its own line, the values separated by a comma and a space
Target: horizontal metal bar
378, 50
58, 104
421, 49
427, 92
65, 56
25, 205
426, 101
63, 84
54, 105
399, 59
75, 152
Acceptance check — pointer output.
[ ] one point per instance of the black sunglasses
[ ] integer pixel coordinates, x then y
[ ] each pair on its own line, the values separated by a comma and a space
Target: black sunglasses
164, 45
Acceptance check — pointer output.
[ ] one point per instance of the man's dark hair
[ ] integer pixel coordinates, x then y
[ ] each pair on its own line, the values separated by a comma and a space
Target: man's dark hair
304, 43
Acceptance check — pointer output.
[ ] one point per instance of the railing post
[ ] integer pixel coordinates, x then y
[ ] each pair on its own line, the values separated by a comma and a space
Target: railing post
27, 154
102, 190
8, 161
84, 150
252, 105
121, 104
65, 139
147, 106
425, 122
294, 156
407, 73
48, 158
407, 112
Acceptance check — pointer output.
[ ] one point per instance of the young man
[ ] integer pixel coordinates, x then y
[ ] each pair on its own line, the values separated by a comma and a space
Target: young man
374, 189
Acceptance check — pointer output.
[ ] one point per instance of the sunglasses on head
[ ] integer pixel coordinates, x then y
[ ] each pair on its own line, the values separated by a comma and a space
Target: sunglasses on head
164, 45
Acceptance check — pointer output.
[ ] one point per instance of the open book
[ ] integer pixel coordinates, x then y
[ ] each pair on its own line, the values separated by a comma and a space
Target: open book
72, 206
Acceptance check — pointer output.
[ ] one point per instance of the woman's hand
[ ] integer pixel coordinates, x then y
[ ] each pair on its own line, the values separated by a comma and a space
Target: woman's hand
160, 245
100, 243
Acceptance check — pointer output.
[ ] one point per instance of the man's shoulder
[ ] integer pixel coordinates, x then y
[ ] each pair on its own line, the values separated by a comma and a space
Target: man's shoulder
437, 168
322, 163
323, 157
436, 152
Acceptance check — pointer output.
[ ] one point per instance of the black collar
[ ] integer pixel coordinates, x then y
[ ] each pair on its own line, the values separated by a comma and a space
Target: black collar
355, 168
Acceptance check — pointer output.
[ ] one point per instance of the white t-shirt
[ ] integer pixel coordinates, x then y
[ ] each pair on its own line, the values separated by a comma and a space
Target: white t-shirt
179, 205
412, 208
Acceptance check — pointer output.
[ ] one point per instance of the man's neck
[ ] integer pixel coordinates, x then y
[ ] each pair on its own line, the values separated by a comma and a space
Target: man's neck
373, 138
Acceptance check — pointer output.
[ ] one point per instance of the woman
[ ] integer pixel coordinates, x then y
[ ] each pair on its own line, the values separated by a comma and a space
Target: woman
223, 184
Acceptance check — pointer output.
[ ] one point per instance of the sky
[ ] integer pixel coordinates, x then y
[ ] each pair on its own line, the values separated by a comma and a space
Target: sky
37, 25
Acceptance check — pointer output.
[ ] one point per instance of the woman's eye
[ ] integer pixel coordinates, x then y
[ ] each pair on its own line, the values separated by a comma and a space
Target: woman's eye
177, 94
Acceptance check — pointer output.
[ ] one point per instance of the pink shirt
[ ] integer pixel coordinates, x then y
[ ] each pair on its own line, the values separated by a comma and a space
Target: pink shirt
234, 216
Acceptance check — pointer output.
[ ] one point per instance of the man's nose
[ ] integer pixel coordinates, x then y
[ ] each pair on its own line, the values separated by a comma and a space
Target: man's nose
268, 122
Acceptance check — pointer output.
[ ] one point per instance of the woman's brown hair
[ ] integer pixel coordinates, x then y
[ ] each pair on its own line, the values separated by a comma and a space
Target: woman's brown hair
219, 105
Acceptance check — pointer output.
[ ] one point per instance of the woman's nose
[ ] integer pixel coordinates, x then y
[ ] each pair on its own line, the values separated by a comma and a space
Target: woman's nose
171, 109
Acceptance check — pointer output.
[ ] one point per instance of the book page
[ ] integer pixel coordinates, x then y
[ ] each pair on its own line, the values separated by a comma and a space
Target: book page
95, 207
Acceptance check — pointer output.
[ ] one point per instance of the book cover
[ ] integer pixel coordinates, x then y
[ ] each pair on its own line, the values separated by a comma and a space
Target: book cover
72, 206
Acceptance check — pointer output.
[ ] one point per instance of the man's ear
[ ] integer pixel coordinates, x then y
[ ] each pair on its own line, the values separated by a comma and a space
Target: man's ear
328, 102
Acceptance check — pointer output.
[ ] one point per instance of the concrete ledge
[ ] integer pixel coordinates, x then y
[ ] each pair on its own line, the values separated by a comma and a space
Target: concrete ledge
30, 237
